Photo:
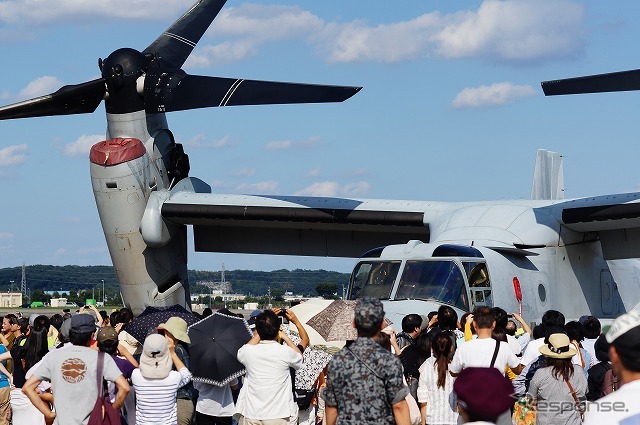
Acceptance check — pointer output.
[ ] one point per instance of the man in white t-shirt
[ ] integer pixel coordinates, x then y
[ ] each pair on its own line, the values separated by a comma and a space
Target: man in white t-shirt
267, 394
73, 376
481, 351
621, 406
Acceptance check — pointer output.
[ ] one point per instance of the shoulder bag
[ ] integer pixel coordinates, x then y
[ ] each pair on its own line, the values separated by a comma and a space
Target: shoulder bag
575, 397
103, 412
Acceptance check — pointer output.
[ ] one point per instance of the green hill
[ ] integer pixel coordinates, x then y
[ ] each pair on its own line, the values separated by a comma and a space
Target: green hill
89, 278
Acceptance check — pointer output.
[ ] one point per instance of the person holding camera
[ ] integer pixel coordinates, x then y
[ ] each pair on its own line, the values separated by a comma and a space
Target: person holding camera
267, 394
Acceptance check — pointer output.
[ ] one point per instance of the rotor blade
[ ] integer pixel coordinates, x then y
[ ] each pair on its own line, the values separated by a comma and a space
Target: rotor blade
72, 99
174, 46
180, 92
615, 81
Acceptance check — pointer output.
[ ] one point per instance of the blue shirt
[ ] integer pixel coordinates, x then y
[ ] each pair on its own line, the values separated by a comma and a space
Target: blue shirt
4, 381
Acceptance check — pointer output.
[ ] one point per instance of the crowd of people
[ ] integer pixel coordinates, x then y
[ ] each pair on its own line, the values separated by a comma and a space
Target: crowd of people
487, 366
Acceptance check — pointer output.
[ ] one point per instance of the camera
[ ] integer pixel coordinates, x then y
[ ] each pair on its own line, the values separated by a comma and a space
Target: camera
283, 316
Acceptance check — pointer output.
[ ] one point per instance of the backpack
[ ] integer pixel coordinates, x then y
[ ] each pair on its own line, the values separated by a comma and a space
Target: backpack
610, 383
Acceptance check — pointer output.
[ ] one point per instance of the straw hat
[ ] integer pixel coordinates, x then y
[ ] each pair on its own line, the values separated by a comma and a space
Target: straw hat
178, 328
559, 347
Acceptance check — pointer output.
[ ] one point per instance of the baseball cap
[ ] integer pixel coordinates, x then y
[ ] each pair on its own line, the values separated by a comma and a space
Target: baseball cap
82, 323
107, 335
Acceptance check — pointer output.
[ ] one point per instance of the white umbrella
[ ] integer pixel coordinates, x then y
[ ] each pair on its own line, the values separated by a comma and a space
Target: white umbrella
305, 311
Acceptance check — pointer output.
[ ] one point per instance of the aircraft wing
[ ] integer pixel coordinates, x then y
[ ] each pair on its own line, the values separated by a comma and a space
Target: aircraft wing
615, 218
295, 225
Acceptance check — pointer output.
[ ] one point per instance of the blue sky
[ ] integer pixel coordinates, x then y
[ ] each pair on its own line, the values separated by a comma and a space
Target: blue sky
451, 108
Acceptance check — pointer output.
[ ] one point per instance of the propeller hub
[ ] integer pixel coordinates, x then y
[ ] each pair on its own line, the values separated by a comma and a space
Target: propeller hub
121, 70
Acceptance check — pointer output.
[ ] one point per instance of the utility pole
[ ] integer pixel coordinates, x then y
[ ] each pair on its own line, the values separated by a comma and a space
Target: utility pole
104, 298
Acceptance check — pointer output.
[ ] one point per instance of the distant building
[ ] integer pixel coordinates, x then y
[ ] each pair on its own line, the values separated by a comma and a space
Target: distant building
215, 294
58, 302
10, 299
60, 292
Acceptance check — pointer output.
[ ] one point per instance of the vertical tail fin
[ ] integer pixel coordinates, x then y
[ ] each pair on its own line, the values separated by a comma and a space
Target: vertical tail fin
548, 178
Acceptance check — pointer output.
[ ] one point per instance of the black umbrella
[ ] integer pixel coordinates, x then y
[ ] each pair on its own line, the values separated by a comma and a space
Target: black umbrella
213, 351
147, 322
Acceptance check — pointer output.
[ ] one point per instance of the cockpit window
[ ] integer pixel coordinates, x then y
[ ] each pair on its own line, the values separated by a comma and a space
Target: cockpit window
442, 281
373, 279
479, 283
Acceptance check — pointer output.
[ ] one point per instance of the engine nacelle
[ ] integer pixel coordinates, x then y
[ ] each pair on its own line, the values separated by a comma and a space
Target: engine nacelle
122, 177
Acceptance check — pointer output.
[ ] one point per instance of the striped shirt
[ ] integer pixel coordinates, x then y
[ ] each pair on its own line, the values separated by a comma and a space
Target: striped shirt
441, 402
156, 398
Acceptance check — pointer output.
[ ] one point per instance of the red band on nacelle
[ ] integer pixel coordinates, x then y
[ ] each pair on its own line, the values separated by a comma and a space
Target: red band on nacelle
116, 151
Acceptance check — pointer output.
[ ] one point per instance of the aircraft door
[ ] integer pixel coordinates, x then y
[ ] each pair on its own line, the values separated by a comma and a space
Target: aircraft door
606, 291
479, 284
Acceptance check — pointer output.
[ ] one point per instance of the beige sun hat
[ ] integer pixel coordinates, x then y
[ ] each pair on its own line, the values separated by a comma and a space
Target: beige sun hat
559, 347
178, 328
155, 361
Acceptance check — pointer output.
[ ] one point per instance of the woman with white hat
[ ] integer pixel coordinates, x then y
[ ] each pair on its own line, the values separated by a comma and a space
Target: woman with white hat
559, 388
176, 329
155, 384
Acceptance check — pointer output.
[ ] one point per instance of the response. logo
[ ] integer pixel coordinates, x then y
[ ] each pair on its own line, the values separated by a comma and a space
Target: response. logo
73, 370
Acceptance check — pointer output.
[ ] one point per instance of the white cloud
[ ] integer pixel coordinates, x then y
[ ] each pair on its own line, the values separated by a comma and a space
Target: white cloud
220, 54
501, 30
59, 252
200, 141
38, 87
221, 184
495, 94
332, 189
314, 172
356, 189
265, 187
244, 172
515, 31
82, 146
44, 11
320, 189
251, 26
13, 155
280, 145
6, 235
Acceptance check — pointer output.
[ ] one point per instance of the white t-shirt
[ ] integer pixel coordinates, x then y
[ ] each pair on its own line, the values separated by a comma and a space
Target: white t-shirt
532, 351
73, 375
156, 398
621, 407
266, 391
479, 352
214, 400
589, 345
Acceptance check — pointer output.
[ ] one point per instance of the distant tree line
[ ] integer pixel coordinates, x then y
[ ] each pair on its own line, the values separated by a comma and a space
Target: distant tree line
88, 281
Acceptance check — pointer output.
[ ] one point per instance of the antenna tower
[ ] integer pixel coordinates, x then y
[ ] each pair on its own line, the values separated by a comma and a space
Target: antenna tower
23, 284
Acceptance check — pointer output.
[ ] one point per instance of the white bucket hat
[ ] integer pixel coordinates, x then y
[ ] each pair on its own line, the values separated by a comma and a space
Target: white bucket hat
155, 361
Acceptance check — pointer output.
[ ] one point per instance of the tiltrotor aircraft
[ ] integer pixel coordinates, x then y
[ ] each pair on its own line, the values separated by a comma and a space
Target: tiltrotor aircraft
578, 255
